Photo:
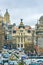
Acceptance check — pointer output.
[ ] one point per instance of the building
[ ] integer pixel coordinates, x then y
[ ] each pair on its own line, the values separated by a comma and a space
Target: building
21, 34
6, 17
1, 33
15, 36
8, 30
39, 34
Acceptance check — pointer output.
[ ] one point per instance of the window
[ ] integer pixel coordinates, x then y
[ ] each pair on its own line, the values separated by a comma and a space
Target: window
10, 31
29, 31
5, 37
14, 31
21, 34
24, 39
21, 45
29, 38
21, 39
21, 30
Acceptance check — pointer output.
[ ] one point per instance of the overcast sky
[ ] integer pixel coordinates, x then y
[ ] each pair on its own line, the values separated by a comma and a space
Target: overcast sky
29, 10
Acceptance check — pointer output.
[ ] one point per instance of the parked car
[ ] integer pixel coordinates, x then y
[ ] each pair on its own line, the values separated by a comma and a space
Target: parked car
12, 63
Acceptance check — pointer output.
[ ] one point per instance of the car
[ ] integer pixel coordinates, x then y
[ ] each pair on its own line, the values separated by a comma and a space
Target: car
6, 55
6, 63
1, 62
5, 60
12, 63
40, 61
27, 61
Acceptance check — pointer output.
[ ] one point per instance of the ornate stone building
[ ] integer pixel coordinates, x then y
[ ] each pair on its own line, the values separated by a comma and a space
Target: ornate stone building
1, 33
6, 17
22, 34
12, 35
8, 29
39, 34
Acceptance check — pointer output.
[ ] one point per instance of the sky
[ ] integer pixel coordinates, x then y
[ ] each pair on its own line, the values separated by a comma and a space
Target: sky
28, 10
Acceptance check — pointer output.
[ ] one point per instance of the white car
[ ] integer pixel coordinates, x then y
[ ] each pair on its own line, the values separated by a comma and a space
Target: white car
12, 62
6, 63
27, 61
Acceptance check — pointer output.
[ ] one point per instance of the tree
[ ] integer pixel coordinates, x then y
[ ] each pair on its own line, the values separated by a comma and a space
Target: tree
28, 47
21, 63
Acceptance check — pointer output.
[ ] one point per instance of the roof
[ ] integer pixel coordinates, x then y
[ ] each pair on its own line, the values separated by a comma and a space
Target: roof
41, 18
14, 24
6, 13
21, 25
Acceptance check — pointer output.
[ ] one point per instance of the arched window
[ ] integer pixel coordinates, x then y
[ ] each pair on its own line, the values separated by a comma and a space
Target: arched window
14, 31
29, 31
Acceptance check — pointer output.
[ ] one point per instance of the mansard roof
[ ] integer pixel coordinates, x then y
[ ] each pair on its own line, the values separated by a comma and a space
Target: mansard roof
21, 24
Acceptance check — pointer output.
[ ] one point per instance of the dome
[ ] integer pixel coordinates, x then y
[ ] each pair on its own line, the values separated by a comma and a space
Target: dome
41, 18
21, 24
14, 24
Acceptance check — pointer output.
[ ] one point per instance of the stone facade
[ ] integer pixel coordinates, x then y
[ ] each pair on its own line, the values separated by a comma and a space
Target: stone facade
1, 33
21, 35
39, 34
15, 36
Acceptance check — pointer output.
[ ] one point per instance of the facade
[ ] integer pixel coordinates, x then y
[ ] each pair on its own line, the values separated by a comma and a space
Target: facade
39, 34
8, 30
15, 36
1, 33
21, 35
6, 17
9, 36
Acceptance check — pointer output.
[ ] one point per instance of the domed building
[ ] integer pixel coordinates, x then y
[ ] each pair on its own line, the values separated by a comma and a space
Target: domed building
41, 20
21, 35
21, 25
14, 36
39, 34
